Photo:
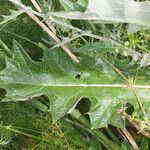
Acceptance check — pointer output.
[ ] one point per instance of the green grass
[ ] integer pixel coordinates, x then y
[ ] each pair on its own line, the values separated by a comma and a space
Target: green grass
25, 127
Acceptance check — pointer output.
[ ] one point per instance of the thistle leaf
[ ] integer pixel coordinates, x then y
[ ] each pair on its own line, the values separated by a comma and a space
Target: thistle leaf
108, 11
14, 14
56, 76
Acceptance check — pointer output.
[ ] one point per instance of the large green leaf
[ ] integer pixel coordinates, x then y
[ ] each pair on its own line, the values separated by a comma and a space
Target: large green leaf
65, 83
108, 11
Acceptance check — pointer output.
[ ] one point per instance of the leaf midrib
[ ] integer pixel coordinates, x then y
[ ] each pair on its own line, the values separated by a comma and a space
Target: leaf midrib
86, 85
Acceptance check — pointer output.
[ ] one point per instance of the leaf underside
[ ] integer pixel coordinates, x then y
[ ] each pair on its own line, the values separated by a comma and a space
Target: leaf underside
108, 11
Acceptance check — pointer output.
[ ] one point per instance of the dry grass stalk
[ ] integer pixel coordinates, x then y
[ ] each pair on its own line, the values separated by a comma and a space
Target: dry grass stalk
51, 30
135, 124
130, 139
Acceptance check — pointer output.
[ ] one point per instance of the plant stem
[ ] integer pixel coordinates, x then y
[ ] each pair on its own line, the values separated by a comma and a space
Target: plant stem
38, 8
6, 49
136, 125
113, 136
110, 145
46, 29
25, 132
130, 139
50, 33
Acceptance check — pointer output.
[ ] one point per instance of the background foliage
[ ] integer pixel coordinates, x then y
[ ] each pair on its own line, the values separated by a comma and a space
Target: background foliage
28, 125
